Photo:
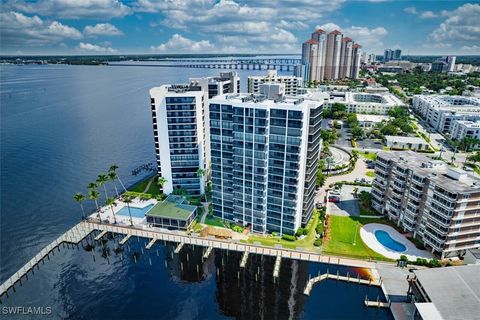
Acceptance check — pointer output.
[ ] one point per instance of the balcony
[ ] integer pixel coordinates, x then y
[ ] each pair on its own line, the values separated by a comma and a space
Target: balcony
472, 239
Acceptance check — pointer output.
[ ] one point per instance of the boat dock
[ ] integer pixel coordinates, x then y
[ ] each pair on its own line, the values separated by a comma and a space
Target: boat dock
84, 228
338, 277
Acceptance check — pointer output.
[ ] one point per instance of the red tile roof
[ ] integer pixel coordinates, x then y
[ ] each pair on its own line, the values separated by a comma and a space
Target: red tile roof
319, 31
311, 41
357, 46
335, 32
347, 39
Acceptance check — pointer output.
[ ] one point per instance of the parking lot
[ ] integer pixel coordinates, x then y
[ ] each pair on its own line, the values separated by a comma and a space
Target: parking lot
348, 206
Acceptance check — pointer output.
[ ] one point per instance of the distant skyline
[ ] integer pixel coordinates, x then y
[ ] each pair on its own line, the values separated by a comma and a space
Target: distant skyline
226, 26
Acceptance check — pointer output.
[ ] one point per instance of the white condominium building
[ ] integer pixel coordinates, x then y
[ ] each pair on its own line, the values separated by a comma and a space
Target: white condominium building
265, 153
292, 83
357, 102
179, 134
438, 204
441, 110
464, 128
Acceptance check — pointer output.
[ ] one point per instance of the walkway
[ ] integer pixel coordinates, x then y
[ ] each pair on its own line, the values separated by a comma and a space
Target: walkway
149, 183
205, 212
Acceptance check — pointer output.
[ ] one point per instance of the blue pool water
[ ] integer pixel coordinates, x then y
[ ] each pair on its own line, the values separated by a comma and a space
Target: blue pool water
136, 212
384, 238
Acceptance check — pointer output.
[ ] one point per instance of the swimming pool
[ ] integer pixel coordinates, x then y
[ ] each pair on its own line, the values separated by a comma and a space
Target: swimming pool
136, 212
384, 238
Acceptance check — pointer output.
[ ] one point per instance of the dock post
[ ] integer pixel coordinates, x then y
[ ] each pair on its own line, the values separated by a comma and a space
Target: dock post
358, 277
135, 257
378, 302
150, 261
348, 276
181, 266
165, 263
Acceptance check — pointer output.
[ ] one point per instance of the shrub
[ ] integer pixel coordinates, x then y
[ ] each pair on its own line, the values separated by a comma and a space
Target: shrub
403, 258
299, 232
288, 237
319, 228
274, 233
305, 231
318, 242
237, 229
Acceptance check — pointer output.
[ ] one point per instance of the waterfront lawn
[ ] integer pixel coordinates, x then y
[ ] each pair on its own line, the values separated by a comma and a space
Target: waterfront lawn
305, 243
140, 186
340, 236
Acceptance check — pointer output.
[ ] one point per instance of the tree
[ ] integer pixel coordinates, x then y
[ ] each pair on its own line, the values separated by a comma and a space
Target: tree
101, 180
161, 182
112, 175
94, 195
111, 202
357, 132
128, 199
475, 157
79, 197
92, 186
114, 168
200, 174
365, 198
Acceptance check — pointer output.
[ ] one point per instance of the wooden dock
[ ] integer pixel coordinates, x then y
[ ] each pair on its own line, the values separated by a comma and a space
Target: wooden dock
81, 230
377, 303
100, 235
243, 262
74, 235
338, 277
207, 252
151, 243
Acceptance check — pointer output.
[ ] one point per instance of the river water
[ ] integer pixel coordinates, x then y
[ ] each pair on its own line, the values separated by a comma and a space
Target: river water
61, 126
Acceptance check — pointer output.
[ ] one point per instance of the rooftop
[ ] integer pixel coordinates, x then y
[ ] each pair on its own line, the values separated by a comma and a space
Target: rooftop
258, 100
452, 179
455, 291
371, 117
173, 206
403, 139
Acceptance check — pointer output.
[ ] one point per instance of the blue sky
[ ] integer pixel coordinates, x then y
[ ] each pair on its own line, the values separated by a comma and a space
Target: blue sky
228, 26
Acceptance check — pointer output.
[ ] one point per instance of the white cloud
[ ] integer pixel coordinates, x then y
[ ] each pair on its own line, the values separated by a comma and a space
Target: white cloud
411, 10
371, 39
428, 15
438, 45
72, 9
88, 47
259, 21
472, 48
102, 29
462, 24
20, 30
179, 44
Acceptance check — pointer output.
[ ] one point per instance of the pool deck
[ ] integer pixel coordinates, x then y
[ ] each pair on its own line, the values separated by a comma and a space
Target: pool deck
107, 215
367, 232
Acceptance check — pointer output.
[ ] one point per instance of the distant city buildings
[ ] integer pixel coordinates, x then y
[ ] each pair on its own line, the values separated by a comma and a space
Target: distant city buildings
444, 64
265, 153
438, 204
292, 83
390, 54
329, 57
440, 111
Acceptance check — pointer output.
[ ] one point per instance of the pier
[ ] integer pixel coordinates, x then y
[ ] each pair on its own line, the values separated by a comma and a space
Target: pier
207, 252
243, 263
84, 228
231, 65
338, 277
151, 243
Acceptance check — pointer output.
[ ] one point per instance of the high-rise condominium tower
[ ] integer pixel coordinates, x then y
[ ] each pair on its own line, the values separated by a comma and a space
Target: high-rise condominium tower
265, 152
328, 57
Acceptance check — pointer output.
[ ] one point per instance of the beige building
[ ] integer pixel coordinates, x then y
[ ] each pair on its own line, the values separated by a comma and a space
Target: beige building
332, 62
437, 204
292, 83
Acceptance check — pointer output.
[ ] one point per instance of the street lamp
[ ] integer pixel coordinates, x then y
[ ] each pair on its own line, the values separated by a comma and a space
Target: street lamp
355, 235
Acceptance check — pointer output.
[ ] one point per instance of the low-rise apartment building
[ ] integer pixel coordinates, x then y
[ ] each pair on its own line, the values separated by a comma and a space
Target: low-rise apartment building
464, 128
438, 204
292, 83
440, 111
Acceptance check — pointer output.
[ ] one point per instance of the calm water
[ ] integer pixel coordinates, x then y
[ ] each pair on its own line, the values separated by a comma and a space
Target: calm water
60, 127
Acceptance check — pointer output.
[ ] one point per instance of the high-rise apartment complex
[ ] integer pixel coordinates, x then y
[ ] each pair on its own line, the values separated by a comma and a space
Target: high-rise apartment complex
390, 55
438, 204
178, 118
444, 64
397, 54
329, 57
292, 83
227, 82
265, 152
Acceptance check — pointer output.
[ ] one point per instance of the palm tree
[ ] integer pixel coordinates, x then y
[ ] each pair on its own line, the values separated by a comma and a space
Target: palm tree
112, 175
113, 168
101, 180
111, 202
161, 182
94, 195
128, 199
92, 186
79, 197
200, 174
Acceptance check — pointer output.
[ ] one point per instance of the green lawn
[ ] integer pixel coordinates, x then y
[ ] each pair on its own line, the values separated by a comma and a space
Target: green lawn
369, 155
305, 243
370, 174
154, 190
341, 234
214, 221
